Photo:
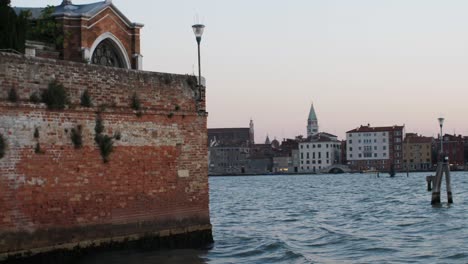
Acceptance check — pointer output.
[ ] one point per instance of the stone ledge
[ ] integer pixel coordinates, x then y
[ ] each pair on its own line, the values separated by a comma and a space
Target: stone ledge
197, 236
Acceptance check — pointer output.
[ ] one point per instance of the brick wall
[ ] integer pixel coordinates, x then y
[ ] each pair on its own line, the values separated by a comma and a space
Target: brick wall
156, 177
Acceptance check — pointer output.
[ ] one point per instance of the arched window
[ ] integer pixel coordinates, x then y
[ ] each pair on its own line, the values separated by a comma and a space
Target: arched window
107, 54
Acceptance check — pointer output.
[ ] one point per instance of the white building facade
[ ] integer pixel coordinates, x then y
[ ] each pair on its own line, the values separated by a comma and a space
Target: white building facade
318, 153
374, 148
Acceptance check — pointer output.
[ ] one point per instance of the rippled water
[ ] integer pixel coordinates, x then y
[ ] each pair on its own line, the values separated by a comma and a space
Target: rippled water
347, 218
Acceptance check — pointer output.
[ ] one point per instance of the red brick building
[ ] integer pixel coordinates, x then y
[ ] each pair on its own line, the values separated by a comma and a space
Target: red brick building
96, 33
453, 147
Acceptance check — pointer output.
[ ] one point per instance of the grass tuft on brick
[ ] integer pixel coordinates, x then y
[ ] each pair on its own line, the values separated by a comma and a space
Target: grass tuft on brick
13, 95
35, 98
77, 137
85, 99
2, 146
135, 102
104, 142
55, 97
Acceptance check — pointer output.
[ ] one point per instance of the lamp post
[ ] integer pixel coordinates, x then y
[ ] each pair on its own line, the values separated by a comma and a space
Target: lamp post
198, 31
441, 123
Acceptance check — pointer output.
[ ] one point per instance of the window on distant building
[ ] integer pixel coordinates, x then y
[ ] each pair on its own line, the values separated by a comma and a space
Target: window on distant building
350, 149
350, 155
384, 147
360, 155
350, 141
375, 155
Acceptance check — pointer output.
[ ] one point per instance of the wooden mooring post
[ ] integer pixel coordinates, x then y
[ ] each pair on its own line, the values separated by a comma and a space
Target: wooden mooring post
430, 182
443, 167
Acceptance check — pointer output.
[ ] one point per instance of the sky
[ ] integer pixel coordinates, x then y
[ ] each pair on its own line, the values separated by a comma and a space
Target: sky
377, 62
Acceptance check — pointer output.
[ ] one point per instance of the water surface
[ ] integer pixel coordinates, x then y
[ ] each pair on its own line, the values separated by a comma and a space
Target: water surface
346, 218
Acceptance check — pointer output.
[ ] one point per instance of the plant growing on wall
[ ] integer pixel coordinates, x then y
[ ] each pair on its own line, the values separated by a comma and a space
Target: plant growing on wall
12, 95
36, 133
135, 103
104, 142
35, 98
2, 146
192, 81
77, 137
85, 99
38, 149
55, 97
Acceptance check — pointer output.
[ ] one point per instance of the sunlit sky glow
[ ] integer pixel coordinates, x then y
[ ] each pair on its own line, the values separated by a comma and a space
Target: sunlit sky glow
381, 62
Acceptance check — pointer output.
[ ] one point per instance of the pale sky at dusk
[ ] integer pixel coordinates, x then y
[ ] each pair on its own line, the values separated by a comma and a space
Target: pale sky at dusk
382, 62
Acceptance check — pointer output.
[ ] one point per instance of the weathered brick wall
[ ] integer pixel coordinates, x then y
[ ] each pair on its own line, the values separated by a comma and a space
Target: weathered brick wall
156, 177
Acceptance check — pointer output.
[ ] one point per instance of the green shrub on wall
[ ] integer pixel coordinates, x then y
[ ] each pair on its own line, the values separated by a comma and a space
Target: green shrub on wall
85, 99
55, 97
2, 146
77, 137
135, 104
13, 95
104, 142
35, 98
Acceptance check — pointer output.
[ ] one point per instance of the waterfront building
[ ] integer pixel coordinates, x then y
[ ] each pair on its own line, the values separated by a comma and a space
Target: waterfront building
312, 122
417, 152
375, 148
453, 147
318, 152
286, 159
229, 149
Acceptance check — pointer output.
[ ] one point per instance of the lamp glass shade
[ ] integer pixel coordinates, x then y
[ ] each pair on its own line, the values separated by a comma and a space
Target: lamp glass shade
441, 121
198, 30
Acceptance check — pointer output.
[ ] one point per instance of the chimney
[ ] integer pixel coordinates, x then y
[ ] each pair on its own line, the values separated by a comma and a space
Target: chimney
66, 2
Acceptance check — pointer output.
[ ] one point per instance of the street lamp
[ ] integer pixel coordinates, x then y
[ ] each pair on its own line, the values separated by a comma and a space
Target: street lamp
441, 123
198, 31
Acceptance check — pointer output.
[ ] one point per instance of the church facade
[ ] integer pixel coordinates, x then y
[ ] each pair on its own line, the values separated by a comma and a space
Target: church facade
95, 33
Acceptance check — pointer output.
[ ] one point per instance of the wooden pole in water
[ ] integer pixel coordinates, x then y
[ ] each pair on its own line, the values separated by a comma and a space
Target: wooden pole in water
443, 166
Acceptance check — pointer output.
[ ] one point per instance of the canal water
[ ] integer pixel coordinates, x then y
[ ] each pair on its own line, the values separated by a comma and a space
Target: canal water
345, 218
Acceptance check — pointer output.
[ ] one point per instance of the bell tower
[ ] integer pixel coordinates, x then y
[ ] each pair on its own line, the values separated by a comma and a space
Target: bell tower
312, 122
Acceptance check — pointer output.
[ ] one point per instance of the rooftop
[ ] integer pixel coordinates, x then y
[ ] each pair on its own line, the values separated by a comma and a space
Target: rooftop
376, 129
68, 9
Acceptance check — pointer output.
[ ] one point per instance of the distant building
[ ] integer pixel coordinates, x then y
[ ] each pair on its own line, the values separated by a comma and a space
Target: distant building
229, 149
312, 122
286, 159
260, 159
453, 147
318, 152
417, 152
377, 148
